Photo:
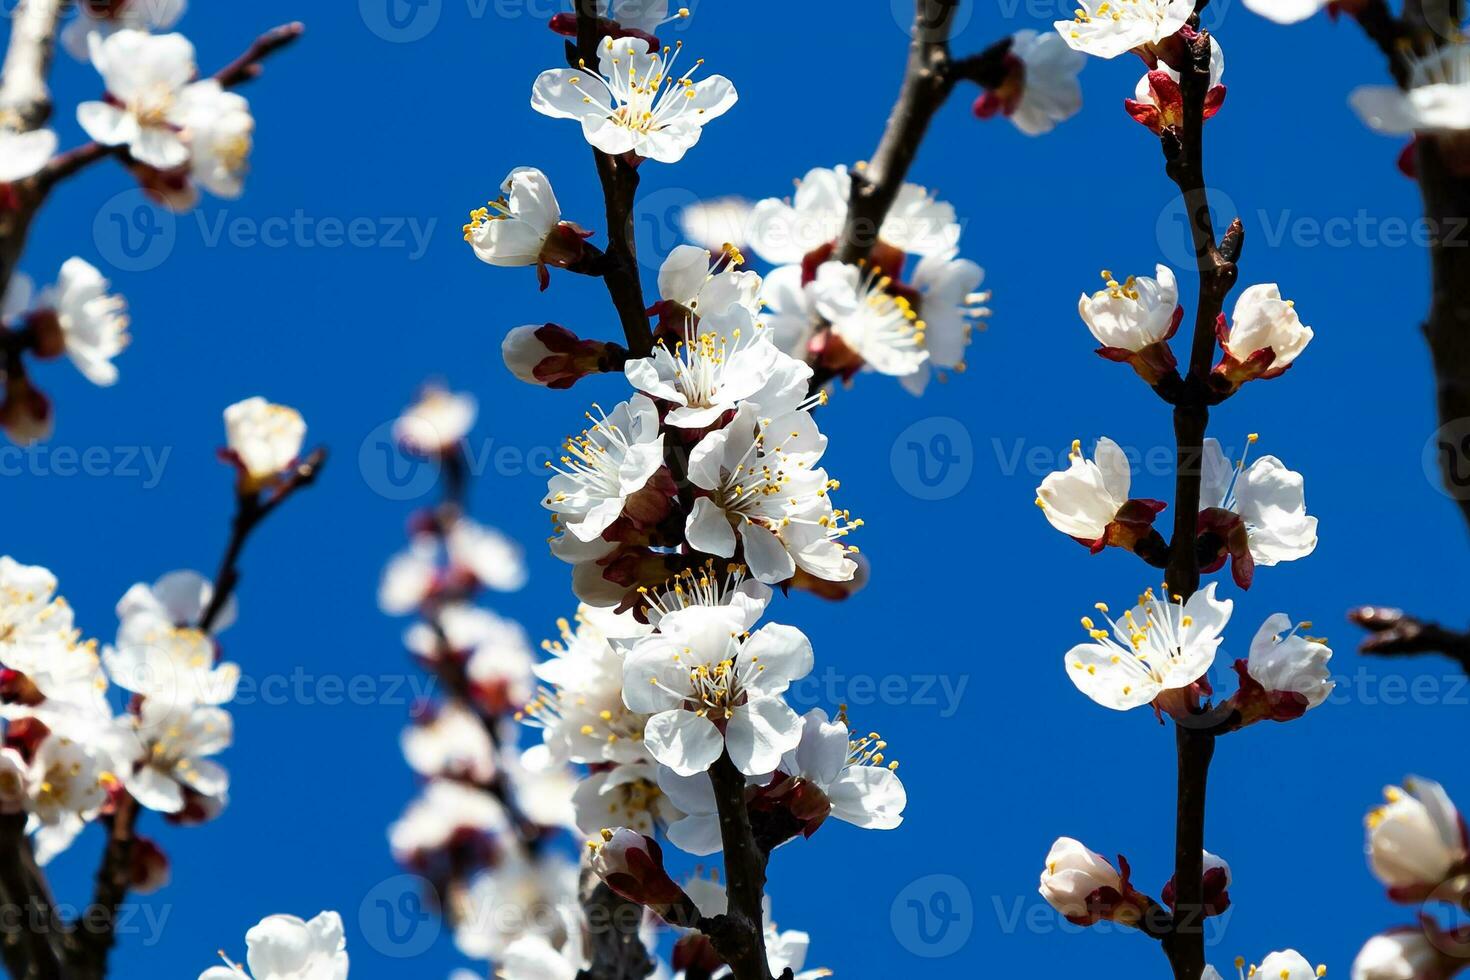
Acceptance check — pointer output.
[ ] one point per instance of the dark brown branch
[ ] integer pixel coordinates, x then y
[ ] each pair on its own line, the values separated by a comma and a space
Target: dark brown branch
1184, 152
739, 934
31, 944
619, 178
251, 63
616, 951
1395, 633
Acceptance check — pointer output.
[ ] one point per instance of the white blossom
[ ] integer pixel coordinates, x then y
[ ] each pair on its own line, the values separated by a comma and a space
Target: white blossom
1157, 646
444, 809
451, 742
880, 326
1072, 873
1401, 954
175, 665
715, 223
1264, 321
1050, 92
1286, 11
94, 323
952, 305
23, 154
513, 230
1133, 314
177, 599
1436, 100
265, 438
1417, 838
634, 102
220, 132
519, 897
849, 770
437, 422
1267, 496
137, 15
699, 669
603, 466
1109, 28
1082, 500
145, 75
1283, 660
176, 758
283, 947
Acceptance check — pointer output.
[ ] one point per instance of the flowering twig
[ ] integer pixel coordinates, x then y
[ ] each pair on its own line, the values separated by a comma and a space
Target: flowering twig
90, 945
1394, 633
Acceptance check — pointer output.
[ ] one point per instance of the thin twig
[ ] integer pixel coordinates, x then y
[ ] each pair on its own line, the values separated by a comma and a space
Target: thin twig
25, 96
1394, 633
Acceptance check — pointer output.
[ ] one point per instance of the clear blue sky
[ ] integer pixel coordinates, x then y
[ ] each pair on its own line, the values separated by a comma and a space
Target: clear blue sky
972, 591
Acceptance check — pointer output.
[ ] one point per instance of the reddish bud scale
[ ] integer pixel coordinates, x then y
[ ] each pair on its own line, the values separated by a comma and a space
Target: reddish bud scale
1222, 535
1216, 893
565, 24
1254, 703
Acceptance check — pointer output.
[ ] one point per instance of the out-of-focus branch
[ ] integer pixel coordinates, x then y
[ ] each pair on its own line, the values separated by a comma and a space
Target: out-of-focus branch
92, 942
31, 942
1395, 633
616, 952
25, 97
1184, 152
619, 178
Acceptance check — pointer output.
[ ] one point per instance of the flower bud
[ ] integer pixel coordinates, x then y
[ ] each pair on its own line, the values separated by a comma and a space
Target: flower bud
1409, 953
553, 356
1216, 886
1086, 889
1134, 321
1416, 841
148, 866
633, 866
1264, 339
264, 441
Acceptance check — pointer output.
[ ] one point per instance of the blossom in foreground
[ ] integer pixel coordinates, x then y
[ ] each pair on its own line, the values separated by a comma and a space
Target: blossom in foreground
1040, 88
535, 958
437, 422
1159, 646
634, 102
67, 784
551, 355
221, 132
783, 232
176, 599
722, 355
1264, 338
833, 771
764, 488
711, 690
1133, 321
1408, 953
107, 18
1109, 28
174, 666
1436, 100
93, 323
604, 466
632, 865
881, 328
23, 154
1257, 514
1089, 502
523, 227
1287, 11
1084, 887
628, 795
1286, 674
1416, 840
146, 75
952, 304
1158, 102
264, 440
283, 947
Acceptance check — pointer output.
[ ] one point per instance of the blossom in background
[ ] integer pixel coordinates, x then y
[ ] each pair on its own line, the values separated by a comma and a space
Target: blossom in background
1286, 674
220, 131
519, 897
264, 440
628, 794
38, 640
603, 466
1109, 28
1159, 646
145, 75
1416, 840
1158, 102
634, 102
446, 812
283, 947
1089, 502
110, 16
882, 329
1408, 953
93, 323
1264, 338
23, 154
463, 557
710, 689
535, 958
784, 232
450, 741
1436, 99
1257, 515
765, 490
67, 785
523, 227
1134, 320
437, 422
1040, 88
718, 222
177, 746
176, 600
722, 356
177, 666
1288, 11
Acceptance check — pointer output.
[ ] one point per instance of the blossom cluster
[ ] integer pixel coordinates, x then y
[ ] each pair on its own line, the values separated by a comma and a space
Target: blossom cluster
69, 756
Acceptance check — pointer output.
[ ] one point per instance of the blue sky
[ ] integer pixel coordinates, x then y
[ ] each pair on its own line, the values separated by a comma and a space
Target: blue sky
954, 651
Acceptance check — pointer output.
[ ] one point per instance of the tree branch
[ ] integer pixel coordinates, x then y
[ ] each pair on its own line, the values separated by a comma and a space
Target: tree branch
32, 942
25, 97
739, 935
1394, 633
